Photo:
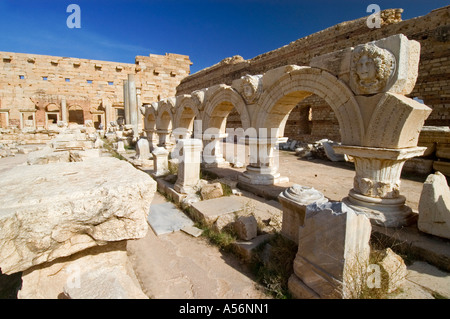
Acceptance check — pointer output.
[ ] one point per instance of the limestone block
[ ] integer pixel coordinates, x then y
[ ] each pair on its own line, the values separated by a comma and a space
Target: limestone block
419, 165
442, 166
160, 161
332, 243
210, 191
142, 149
246, 227
189, 166
331, 154
102, 272
55, 210
294, 201
47, 155
434, 206
443, 150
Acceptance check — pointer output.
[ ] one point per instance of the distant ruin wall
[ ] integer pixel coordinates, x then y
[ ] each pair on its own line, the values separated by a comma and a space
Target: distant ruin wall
33, 88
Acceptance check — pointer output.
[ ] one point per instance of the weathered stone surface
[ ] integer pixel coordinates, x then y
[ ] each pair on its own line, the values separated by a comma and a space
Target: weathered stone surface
294, 201
47, 155
189, 165
331, 154
246, 227
394, 270
434, 206
143, 149
160, 161
209, 211
55, 210
333, 241
211, 191
102, 272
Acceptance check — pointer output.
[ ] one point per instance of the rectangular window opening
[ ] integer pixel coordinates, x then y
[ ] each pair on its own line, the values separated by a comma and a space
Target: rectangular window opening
67, 80
89, 81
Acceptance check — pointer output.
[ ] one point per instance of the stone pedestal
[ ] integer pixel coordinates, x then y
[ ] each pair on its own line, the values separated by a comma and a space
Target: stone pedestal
263, 167
142, 149
333, 248
160, 162
376, 187
294, 201
212, 151
189, 165
120, 147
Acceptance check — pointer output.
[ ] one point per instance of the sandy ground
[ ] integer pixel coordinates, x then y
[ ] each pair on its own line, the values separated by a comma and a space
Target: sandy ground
179, 266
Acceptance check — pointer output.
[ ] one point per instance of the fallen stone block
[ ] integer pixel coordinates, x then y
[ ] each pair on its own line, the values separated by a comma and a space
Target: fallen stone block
56, 210
102, 272
246, 227
434, 206
211, 191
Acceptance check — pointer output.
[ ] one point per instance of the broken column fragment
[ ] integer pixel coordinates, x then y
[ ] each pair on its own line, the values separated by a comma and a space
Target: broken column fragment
333, 244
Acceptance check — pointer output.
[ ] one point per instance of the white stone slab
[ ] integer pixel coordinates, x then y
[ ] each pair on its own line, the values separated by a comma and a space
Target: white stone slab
166, 218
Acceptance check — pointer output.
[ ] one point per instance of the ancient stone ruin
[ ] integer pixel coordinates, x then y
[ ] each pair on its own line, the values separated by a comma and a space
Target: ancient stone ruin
71, 207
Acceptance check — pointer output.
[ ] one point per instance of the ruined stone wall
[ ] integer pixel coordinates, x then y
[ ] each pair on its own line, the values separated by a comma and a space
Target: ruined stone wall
433, 83
32, 86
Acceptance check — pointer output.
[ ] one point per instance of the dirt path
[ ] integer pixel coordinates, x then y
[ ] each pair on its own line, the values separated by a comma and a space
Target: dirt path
179, 266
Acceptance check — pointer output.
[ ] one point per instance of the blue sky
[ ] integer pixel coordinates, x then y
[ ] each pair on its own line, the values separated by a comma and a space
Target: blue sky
206, 30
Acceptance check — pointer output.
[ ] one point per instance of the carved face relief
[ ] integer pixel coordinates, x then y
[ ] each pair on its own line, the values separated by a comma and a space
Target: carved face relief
250, 88
371, 69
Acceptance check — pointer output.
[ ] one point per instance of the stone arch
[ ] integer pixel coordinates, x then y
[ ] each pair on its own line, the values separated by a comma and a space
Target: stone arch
150, 117
286, 86
219, 104
164, 120
186, 112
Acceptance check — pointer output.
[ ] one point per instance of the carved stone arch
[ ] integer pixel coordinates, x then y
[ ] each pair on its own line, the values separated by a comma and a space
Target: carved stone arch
186, 111
150, 117
220, 103
286, 86
164, 119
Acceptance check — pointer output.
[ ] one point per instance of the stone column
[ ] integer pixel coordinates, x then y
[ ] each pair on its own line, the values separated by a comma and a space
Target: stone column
294, 201
64, 109
126, 101
333, 253
263, 167
189, 165
376, 186
139, 119
212, 151
133, 104
108, 113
